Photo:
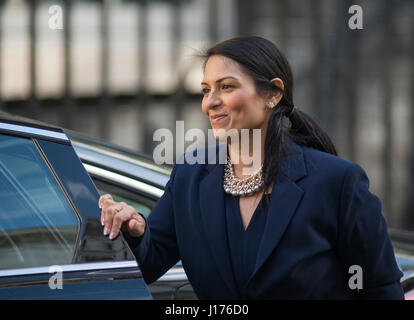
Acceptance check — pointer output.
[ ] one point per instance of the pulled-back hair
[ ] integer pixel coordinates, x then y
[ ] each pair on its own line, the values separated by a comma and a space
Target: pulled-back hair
263, 61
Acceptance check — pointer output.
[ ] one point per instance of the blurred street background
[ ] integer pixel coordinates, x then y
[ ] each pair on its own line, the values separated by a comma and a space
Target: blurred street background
117, 70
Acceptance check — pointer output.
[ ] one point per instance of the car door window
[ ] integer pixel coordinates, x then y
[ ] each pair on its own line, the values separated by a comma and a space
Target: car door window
38, 226
139, 202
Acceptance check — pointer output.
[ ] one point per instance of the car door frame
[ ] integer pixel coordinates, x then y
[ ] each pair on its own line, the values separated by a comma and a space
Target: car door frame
90, 273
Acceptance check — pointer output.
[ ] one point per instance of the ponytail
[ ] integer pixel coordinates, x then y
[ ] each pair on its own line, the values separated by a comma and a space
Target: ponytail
306, 132
303, 130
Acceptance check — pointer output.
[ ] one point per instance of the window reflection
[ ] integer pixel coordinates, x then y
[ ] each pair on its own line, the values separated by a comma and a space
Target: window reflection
37, 224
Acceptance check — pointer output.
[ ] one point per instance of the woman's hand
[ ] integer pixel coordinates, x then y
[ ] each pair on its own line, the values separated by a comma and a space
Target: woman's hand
114, 214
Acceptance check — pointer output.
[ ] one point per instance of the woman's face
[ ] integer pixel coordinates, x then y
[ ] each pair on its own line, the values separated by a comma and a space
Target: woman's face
230, 97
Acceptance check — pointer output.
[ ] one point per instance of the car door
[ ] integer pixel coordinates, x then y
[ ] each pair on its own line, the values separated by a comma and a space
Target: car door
51, 240
140, 183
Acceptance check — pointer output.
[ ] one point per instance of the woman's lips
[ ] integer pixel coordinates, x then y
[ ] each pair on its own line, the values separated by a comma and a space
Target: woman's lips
217, 118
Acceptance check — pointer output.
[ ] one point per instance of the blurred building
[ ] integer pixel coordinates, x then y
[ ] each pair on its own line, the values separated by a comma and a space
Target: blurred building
118, 70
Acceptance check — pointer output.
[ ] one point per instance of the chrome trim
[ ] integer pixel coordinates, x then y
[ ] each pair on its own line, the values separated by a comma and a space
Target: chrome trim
34, 131
118, 156
174, 274
138, 185
404, 255
70, 268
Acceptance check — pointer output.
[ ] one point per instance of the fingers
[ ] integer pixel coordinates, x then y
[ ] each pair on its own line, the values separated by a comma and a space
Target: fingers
100, 204
102, 198
136, 226
114, 214
125, 213
110, 214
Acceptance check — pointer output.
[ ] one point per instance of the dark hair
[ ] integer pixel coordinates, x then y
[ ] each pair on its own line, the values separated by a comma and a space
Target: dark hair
263, 61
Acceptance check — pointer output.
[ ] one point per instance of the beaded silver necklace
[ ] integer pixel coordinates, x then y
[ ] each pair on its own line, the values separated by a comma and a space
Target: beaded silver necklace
241, 187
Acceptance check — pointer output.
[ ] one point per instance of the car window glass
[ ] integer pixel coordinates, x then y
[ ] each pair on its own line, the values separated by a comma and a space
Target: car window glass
139, 207
38, 227
141, 203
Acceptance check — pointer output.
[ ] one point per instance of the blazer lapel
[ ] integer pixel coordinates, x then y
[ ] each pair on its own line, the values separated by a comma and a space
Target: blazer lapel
213, 218
285, 198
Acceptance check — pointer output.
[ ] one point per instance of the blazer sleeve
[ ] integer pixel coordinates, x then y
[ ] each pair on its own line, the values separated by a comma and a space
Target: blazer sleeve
363, 239
156, 250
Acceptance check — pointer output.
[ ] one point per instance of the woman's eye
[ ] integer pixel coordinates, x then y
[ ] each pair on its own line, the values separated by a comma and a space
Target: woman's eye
223, 87
227, 86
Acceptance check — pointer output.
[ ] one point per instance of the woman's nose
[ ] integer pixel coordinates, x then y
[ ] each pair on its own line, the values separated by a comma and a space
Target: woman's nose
213, 100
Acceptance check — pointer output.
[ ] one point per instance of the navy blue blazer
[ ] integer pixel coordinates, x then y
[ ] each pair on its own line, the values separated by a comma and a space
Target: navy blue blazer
322, 220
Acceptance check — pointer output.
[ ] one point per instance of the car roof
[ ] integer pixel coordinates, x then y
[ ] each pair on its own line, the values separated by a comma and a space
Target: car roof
22, 126
119, 151
120, 160
104, 153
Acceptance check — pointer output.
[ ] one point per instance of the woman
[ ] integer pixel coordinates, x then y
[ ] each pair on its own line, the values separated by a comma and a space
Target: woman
304, 221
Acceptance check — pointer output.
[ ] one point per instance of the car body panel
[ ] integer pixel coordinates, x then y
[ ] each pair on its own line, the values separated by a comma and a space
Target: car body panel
129, 164
114, 273
121, 280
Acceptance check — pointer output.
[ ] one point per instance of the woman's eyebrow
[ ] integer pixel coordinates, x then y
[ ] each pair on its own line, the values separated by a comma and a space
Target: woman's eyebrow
221, 79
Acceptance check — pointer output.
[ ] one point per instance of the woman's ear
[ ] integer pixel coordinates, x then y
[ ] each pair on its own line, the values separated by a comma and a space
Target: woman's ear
276, 94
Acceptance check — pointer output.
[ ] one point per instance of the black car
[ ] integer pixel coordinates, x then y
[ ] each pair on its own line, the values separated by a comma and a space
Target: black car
51, 240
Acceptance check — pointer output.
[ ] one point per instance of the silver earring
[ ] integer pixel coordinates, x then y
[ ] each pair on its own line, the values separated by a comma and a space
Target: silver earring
270, 104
